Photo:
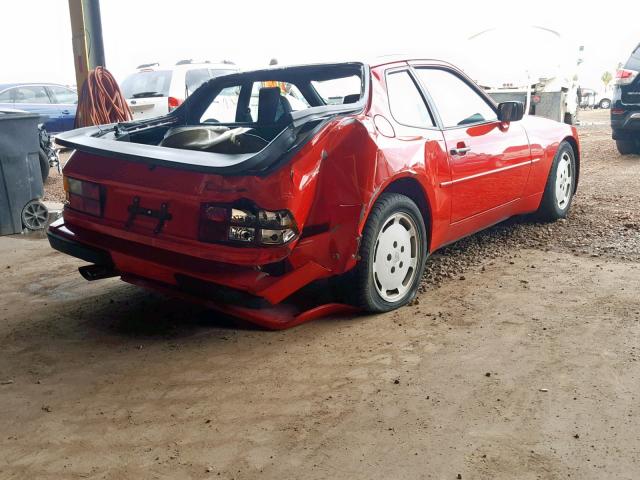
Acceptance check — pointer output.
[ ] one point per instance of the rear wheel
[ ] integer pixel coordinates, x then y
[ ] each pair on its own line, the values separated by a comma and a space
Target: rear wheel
605, 103
560, 187
392, 255
627, 147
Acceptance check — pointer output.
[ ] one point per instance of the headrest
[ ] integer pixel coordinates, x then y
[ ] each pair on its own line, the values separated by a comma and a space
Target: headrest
272, 106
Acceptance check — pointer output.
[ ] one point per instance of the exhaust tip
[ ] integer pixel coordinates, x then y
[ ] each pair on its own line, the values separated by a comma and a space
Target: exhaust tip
97, 272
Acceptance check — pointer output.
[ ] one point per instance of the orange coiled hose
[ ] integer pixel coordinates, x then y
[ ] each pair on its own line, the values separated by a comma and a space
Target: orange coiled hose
101, 101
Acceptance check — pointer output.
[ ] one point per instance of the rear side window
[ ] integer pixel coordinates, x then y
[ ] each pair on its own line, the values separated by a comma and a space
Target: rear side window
336, 90
145, 84
405, 101
456, 102
194, 78
64, 95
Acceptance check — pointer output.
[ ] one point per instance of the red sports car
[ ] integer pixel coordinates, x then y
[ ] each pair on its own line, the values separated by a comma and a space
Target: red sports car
265, 181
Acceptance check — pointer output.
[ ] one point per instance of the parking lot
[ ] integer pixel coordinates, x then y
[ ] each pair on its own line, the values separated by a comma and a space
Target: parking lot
518, 360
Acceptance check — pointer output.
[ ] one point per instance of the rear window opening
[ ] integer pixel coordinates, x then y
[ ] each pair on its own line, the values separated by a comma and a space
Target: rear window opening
245, 123
244, 113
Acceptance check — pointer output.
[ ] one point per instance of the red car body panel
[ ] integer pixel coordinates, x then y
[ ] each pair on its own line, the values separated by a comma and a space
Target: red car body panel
329, 186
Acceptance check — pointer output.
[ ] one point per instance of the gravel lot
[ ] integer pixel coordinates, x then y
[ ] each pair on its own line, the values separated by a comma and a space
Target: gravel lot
519, 360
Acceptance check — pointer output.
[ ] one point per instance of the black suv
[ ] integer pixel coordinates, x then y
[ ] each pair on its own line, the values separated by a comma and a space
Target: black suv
625, 106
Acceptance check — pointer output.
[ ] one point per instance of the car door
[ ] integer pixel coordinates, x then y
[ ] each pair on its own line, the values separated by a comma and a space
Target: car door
411, 141
65, 101
490, 161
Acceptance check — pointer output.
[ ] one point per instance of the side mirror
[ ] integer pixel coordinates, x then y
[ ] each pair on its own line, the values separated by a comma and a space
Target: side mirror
510, 111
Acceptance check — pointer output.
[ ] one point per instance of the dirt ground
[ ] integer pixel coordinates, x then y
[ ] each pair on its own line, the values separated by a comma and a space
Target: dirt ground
519, 360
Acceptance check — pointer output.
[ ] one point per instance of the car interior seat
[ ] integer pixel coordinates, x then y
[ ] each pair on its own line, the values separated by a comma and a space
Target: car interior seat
273, 108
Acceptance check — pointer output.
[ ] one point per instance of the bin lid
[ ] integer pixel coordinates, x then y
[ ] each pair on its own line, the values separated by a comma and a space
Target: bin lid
12, 113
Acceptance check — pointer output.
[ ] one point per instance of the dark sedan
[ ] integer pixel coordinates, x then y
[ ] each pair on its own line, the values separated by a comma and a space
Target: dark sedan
55, 103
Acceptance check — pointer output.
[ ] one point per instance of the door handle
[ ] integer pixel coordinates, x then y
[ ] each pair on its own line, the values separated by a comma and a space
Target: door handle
65, 112
459, 151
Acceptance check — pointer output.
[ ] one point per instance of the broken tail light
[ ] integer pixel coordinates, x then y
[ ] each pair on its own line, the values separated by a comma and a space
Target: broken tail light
245, 226
625, 76
83, 196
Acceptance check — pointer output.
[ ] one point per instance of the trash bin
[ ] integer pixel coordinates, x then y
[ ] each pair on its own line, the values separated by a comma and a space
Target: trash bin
20, 177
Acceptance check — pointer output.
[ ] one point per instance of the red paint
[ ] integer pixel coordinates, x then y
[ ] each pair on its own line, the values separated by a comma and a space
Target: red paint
330, 187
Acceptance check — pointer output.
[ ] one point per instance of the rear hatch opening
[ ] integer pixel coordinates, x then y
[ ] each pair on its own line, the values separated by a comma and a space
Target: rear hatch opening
238, 124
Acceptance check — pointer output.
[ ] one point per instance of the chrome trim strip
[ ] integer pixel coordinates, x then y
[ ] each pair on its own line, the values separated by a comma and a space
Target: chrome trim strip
490, 172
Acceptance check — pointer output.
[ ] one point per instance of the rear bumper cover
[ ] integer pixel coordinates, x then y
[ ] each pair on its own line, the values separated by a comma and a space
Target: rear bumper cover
626, 126
168, 268
78, 250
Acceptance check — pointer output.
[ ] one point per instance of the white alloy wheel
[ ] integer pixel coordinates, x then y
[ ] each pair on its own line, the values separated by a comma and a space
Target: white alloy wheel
564, 181
396, 257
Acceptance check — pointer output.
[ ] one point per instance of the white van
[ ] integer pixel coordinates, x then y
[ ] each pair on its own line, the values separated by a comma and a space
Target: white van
154, 90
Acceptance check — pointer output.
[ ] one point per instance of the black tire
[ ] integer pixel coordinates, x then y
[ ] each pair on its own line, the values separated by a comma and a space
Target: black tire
44, 165
363, 291
627, 147
550, 209
604, 103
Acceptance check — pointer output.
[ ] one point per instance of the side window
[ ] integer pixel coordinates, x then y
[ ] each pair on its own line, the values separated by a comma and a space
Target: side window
29, 94
406, 104
64, 95
7, 96
194, 78
223, 108
457, 103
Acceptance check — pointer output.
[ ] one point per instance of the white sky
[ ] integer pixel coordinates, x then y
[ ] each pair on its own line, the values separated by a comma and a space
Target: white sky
36, 35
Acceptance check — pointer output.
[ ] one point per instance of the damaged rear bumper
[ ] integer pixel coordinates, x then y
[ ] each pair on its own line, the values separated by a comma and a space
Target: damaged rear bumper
192, 276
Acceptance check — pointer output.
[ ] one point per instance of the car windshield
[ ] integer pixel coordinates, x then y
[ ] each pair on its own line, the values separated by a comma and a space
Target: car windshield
149, 83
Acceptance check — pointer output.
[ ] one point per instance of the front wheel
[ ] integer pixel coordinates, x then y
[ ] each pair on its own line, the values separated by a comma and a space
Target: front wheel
392, 255
561, 185
605, 103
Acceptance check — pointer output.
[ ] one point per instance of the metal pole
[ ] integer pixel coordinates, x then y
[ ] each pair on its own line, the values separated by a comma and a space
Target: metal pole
86, 37
93, 25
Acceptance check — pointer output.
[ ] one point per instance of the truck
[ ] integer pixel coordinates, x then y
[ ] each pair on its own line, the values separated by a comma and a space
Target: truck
537, 66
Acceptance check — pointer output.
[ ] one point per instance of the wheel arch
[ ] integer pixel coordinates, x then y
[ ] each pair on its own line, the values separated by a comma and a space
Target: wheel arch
576, 153
412, 188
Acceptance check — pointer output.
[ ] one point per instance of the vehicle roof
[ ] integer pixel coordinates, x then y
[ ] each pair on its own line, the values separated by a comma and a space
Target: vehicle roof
4, 86
190, 66
370, 62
